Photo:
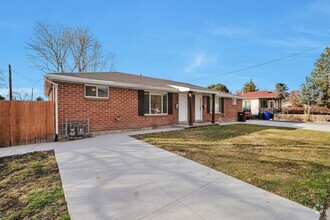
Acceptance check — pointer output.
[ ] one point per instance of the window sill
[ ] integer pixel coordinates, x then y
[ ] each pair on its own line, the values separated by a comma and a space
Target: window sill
155, 114
96, 98
217, 113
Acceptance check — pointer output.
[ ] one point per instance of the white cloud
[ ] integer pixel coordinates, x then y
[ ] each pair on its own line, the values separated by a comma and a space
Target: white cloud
304, 30
317, 32
4, 92
291, 42
229, 31
36, 92
198, 60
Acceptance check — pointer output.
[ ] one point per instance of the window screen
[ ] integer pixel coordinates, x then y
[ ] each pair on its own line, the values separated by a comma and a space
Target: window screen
156, 104
102, 92
91, 91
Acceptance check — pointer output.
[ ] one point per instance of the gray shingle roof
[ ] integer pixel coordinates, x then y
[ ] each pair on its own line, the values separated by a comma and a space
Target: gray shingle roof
136, 79
133, 79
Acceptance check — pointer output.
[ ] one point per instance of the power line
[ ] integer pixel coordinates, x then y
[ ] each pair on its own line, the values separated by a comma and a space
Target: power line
262, 64
27, 78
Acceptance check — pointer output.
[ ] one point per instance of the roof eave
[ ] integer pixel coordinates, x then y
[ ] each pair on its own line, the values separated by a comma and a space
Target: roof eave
72, 79
103, 82
171, 88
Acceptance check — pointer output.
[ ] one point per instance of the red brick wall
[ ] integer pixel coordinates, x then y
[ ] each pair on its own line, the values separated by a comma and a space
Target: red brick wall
229, 109
72, 103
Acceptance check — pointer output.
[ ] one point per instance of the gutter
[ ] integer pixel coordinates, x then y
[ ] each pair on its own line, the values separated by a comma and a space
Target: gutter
107, 83
55, 87
170, 88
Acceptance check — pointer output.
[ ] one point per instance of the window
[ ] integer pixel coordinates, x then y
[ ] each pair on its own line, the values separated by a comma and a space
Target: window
90, 91
263, 104
146, 102
217, 105
234, 101
247, 104
155, 103
271, 103
96, 91
102, 92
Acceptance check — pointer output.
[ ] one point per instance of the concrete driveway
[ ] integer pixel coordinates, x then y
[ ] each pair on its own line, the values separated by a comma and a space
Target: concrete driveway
298, 125
118, 177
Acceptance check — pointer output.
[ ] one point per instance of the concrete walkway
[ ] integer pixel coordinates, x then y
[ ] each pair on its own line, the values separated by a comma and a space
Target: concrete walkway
118, 177
309, 126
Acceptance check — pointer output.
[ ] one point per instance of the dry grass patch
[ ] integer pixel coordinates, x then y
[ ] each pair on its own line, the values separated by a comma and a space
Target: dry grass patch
292, 163
31, 188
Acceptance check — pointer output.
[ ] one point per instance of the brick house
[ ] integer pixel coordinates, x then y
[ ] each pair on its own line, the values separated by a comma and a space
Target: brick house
138, 101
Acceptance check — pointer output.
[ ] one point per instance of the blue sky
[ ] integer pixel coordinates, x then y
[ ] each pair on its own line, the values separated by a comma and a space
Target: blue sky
179, 40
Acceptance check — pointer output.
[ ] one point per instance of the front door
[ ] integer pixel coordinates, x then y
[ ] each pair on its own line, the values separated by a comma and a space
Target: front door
198, 108
183, 108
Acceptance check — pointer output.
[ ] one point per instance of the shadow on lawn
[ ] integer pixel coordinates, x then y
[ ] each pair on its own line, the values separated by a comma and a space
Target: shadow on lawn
267, 151
211, 133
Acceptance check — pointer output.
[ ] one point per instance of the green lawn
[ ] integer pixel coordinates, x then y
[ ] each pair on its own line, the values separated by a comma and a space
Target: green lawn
292, 163
31, 188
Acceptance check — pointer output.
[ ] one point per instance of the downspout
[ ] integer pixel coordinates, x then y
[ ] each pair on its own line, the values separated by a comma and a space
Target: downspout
213, 108
55, 87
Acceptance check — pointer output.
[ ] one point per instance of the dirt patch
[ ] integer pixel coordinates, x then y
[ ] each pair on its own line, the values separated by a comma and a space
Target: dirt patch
31, 187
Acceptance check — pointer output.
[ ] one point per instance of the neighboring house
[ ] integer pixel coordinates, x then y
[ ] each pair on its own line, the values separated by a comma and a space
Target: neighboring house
286, 104
138, 101
291, 100
262, 101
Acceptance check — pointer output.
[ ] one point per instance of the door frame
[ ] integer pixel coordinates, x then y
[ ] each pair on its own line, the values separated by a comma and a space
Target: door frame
185, 97
198, 107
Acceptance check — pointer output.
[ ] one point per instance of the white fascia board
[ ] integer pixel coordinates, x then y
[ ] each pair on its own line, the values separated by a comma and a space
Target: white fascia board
107, 83
227, 95
186, 89
180, 88
174, 88
204, 91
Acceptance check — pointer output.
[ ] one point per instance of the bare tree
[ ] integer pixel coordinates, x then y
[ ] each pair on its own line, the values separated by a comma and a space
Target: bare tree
61, 49
21, 95
2, 84
39, 99
2, 80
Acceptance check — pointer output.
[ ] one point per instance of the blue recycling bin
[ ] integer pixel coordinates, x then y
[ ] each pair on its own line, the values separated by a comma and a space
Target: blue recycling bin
267, 115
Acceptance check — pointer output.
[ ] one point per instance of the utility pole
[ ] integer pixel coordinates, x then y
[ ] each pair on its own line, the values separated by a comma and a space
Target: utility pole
32, 95
10, 84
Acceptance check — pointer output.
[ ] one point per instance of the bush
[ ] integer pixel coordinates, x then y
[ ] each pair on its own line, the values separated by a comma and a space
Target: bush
314, 109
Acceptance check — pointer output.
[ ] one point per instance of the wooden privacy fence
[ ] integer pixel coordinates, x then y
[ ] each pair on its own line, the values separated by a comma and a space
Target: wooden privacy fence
25, 122
303, 117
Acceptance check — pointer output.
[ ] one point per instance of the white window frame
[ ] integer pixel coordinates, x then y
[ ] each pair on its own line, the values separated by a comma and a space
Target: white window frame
161, 94
217, 110
97, 91
244, 104
234, 101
